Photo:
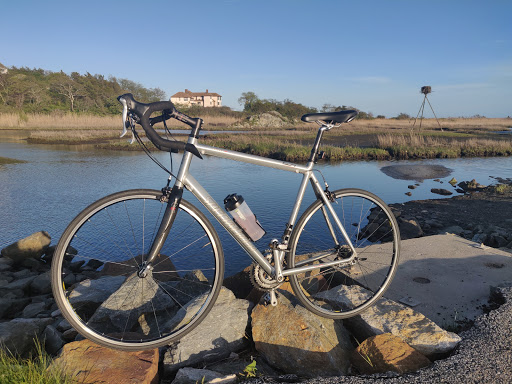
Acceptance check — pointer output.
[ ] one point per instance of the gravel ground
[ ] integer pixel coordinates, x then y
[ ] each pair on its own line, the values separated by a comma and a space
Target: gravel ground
483, 356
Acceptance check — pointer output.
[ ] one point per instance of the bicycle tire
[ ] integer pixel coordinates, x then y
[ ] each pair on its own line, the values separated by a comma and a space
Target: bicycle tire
94, 272
342, 292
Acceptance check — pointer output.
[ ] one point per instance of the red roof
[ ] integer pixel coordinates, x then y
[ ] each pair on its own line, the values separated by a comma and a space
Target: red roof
187, 93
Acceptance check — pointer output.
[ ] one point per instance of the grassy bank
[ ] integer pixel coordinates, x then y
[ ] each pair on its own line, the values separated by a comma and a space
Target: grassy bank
72, 137
416, 146
359, 140
6, 160
279, 147
35, 369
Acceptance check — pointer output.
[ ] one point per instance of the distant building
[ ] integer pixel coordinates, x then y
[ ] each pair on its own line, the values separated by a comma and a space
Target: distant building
3, 69
203, 99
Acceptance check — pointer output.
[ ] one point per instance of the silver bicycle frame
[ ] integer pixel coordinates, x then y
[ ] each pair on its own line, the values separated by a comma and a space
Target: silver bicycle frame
185, 179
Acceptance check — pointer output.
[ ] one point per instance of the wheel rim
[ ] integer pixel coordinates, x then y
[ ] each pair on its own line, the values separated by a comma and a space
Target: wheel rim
347, 290
102, 292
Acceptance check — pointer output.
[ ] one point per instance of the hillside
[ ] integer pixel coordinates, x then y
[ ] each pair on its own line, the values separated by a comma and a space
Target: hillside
41, 91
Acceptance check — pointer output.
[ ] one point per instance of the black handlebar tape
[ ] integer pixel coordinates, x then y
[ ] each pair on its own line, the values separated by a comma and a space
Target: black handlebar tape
144, 111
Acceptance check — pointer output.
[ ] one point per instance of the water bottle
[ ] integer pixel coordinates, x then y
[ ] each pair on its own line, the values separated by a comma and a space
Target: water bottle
243, 216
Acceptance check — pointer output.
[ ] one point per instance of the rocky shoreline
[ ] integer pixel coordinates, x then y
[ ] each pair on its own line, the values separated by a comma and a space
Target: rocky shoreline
239, 330
482, 214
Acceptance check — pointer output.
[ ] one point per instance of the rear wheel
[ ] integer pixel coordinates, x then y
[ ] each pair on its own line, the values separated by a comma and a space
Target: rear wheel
344, 290
95, 269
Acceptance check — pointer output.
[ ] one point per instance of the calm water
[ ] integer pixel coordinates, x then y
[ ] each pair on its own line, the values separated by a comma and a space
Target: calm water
57, 182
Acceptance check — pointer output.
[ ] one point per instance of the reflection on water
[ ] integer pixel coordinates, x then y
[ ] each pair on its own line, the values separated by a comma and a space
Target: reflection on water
59, 181
417, 172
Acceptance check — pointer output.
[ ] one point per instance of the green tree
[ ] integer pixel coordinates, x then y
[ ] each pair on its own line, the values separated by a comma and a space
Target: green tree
248, 100
402, 116
68, 87
38, 90
141, 93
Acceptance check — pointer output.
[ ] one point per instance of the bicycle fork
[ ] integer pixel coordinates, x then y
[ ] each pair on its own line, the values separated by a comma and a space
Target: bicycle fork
171, 210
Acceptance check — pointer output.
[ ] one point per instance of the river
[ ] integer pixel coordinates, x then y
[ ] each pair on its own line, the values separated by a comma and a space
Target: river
58, 181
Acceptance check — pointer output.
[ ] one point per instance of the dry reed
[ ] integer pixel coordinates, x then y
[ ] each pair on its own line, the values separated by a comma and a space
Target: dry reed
68, 121
387, 140
57, 121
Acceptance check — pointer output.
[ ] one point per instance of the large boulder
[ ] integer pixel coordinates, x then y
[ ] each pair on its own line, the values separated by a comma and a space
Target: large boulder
470, 186
387, 316
88, 362
9, 307
223, 331
18, 287
386, 352
297, 341
409, 228
32, 246
272, 119
240, 283
42, 284
135, 295
17, 336
92, 293
33, 309
53, 340
5, 264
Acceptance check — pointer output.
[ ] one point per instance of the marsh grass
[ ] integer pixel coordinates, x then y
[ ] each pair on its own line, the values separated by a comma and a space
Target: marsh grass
58, 121
6, 160
412, 145
386, 138
67, 121
459, 123
72, 137
35, 369
287, 150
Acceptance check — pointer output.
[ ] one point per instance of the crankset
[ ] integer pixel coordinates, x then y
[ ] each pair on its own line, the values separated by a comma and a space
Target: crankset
261, 280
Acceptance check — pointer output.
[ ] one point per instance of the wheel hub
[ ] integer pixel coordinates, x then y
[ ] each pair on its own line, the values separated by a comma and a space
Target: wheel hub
144, 270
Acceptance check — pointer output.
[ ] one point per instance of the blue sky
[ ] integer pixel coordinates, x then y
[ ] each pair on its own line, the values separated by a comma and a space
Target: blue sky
373, 55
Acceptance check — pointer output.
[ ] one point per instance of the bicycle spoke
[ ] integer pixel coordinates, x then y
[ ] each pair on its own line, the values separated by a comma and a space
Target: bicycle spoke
332, 291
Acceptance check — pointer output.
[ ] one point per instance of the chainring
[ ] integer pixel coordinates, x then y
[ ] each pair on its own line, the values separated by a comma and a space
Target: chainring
261, 279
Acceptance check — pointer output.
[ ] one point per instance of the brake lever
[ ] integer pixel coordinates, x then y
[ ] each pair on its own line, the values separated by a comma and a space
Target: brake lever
125, 120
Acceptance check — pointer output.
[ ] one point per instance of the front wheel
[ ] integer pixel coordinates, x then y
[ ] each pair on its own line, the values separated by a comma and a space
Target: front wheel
344, 290
96, 267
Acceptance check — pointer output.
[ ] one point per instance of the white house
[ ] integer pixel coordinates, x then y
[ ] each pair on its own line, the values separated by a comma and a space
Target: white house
204, 99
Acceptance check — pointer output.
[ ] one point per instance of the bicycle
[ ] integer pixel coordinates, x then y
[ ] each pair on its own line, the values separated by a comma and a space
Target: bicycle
142, 268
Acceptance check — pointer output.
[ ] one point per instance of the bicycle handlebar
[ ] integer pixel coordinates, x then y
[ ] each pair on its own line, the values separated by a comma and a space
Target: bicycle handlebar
143, 112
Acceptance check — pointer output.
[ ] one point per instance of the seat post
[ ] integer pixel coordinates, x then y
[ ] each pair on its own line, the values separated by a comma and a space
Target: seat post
316, 145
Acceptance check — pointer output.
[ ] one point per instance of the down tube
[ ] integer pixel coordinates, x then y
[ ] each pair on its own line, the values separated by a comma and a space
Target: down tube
222, 217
